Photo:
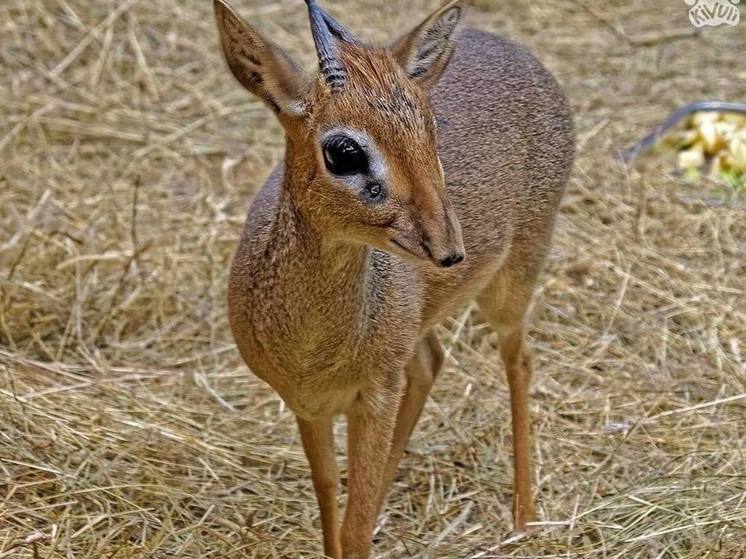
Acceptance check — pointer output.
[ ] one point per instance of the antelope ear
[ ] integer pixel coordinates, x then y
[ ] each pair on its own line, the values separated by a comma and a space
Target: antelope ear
424, 52
260, 66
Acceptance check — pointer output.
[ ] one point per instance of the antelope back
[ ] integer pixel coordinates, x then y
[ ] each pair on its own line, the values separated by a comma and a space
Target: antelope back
507, 145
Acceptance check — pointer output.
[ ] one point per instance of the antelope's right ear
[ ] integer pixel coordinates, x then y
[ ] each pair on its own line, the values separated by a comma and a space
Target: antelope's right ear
260, 66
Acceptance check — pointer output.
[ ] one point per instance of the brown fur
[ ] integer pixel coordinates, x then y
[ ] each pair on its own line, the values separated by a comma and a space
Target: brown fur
338, 326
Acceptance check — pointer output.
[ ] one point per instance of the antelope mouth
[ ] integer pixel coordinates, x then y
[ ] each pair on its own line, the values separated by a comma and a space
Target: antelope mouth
424, 255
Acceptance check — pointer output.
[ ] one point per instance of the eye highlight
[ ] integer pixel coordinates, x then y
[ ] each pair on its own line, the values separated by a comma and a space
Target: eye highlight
374, 190
344, 156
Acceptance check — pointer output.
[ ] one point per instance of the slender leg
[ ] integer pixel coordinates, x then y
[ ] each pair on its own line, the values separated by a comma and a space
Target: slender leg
517, 361
318, 443
504, 304
421, 373
370, 429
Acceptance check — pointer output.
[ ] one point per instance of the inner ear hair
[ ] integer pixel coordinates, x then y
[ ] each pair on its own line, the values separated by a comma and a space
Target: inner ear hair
425, 51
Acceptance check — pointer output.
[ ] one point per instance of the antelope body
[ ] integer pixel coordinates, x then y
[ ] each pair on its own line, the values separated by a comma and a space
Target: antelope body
416, 178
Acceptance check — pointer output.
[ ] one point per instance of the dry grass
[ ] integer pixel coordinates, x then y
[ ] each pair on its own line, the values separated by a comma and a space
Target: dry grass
130, 428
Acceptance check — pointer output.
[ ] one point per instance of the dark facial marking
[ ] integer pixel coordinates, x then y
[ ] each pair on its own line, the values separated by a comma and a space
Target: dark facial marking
374, 192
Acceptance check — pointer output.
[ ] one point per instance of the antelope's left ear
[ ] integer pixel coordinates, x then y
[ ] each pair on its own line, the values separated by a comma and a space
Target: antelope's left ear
424, 52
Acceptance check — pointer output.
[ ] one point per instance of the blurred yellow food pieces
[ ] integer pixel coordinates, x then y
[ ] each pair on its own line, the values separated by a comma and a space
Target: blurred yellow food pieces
714, 143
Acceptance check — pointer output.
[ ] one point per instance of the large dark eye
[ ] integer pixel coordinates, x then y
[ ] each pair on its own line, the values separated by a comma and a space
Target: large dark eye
344, 156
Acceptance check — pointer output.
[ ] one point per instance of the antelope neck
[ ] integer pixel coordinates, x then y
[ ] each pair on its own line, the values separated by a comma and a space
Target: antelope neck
335, 274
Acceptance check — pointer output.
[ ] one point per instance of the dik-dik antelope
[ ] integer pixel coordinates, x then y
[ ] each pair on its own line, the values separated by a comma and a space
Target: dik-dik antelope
417, 177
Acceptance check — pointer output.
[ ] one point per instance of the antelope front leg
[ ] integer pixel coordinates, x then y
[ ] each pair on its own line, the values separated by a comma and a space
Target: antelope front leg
318, 443
370, 429
421, 373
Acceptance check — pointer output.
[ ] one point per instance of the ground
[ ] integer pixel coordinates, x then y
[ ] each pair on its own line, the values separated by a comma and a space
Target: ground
129, 427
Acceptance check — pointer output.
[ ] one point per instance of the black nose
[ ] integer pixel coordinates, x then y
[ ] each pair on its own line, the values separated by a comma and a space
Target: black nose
451, 260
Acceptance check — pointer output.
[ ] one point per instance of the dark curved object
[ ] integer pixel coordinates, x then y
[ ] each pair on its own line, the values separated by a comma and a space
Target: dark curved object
649, 141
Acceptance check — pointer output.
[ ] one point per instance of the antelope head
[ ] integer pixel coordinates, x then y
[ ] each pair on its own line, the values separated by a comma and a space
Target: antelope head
362, 134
